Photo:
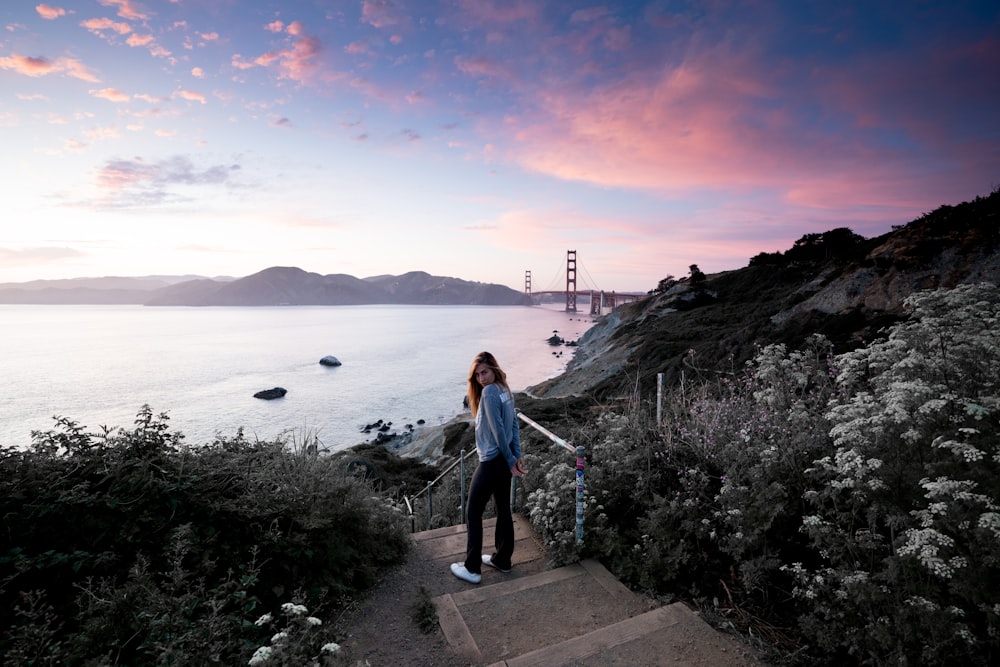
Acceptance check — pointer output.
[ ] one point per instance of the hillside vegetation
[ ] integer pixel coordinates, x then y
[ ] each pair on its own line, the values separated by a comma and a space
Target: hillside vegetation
825, 471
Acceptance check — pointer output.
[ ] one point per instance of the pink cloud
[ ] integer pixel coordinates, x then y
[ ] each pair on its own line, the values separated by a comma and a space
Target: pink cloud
111, 94
98, 26
379, 13
139, 40
127, 9
209, 36
296, 62
492, 12
50, 13
481, 67
34, 67
237, 62
723, 120
197, 72
275, 26
357, 48
191, 96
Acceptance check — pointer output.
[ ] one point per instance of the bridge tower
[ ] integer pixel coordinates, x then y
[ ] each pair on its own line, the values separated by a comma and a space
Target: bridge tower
527, 282
571, 281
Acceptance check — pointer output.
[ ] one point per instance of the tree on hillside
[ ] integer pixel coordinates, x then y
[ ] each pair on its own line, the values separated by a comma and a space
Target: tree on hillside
663, 285
696, 277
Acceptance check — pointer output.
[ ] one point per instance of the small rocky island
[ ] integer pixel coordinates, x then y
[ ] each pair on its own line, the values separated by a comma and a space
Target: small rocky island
271, 394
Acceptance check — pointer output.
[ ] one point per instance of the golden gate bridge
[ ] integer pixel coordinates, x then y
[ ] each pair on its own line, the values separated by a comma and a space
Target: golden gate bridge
601, 302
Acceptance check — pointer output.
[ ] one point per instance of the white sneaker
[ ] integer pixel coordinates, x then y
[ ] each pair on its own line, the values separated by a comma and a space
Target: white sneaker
458, 569
488, 560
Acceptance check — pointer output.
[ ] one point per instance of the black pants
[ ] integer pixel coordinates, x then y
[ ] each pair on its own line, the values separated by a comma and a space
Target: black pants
491, 479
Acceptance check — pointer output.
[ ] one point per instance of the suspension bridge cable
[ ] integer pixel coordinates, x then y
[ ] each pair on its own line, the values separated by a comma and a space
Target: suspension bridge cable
557, 284
593, 283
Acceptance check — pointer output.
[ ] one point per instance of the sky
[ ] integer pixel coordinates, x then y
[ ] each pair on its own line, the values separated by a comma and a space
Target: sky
480, 139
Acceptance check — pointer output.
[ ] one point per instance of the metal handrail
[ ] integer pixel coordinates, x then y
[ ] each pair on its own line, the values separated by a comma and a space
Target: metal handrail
430, 495
578, 450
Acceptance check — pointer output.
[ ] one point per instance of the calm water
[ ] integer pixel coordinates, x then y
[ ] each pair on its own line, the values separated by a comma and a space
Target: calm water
97, 365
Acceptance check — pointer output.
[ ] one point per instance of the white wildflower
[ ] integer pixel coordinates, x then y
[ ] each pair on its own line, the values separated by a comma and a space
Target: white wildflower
312, 620
263, 620
260, 656
294, 609
332, 647
279, 637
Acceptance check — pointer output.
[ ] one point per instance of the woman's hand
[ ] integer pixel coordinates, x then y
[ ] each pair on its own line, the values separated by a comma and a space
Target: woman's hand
519, 470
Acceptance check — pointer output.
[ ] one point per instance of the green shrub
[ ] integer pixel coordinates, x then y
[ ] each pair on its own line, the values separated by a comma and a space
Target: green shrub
151, 552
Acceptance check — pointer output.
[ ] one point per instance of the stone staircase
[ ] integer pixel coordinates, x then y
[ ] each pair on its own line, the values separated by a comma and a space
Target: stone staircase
574, 615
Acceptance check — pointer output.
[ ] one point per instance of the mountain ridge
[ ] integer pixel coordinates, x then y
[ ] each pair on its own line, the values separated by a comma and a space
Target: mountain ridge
270, 287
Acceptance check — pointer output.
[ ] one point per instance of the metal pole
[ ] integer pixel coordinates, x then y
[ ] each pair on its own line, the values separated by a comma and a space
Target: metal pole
659, 399
430, 504
463, 484
580, 465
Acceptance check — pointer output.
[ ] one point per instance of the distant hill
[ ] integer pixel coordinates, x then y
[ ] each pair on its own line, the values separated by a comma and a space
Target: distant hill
271, 287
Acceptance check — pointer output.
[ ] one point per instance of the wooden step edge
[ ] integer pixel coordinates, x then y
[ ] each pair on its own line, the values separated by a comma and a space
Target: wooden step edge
591, 644
522, 528
608, 581
455, 630
481, 593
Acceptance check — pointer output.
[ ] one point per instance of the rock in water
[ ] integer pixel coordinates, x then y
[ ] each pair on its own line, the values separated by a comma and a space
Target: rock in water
330, 360
270, 394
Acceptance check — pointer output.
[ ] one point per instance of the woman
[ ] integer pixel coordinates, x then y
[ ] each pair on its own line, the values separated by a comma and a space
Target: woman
498, 443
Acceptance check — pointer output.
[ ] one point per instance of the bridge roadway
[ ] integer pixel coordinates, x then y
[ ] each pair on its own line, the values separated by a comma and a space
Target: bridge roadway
601, 302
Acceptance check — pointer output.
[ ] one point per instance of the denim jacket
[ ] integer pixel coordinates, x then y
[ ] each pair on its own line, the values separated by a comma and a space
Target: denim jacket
497, 431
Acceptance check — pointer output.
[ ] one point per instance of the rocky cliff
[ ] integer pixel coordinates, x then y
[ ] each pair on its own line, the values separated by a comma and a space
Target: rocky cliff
837, 284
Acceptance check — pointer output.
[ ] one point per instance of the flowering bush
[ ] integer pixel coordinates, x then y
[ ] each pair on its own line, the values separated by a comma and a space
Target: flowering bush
903, 513
837, 505
297, 642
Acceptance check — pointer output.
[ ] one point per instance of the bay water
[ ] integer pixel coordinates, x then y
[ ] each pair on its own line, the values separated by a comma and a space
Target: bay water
98, 365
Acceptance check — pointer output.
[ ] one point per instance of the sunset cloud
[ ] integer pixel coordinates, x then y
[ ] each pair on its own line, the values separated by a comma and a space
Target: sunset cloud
137, 183
139, 40
40, 66
49, 12
127, 9
379, 13
191, 96
296, 62
100, 26
481, 67
111, 94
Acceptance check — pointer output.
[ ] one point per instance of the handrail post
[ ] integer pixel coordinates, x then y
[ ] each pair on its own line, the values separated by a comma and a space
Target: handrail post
430, 504
659, 398
580, 465
462, 491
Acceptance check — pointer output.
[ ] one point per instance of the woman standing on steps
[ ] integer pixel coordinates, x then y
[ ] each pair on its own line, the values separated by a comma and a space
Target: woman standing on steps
498, 443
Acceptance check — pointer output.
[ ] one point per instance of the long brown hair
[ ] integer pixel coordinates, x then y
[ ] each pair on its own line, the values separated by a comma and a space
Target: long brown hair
476, 389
